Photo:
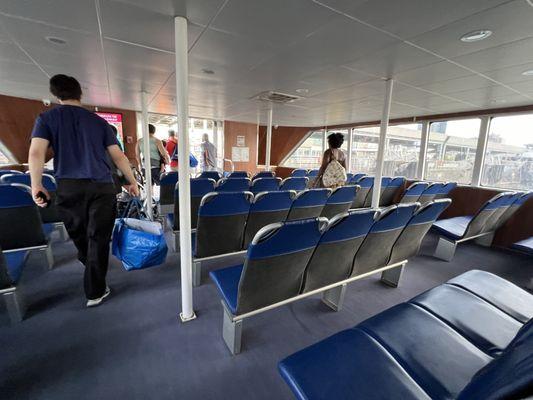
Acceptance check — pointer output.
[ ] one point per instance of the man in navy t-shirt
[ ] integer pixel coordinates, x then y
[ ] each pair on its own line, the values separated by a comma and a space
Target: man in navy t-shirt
83, 145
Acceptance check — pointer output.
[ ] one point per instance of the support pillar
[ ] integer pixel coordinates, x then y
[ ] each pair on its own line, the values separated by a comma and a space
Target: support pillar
268, 139
184, 184
376, 191
147, 160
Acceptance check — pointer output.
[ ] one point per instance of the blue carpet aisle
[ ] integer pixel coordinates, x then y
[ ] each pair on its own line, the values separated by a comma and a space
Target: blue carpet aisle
134, 347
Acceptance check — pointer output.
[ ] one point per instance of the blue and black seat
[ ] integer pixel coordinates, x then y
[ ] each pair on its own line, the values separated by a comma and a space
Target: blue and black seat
299, 173
50, 214
267, 208
413, 192
199, 188
437, 190
339, 201
238, 174
376, 249
210, 175
309, 204
445, 190
233, 185
311, 175
265, 185
21, 227
389, 192
466, 339
273, 271
355, 178
519, 202
525, 245
9, 172
166, 194
220, 231
333, 258
385, 180
294, 183
409, 241
365, 184
264, 174
459, 229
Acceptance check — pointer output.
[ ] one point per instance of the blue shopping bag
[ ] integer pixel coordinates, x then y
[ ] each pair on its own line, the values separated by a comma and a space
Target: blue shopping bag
138, 243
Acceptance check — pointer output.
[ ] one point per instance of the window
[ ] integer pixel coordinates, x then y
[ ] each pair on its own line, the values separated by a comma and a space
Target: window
309, 154
403, 150
6, 157
365, 143
508, 160
452, 150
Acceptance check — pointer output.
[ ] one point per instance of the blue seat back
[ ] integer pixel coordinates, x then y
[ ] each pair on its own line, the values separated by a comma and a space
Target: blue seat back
20, 220
9, 172
499, 207
169, 178
413, 192
267, 208
309, 204
265, 185
48, 181
294, 183
479, 222
340, 201
356, 178
431, 192
275, 263
388, 193
312, 173
340, 242
233, 185
444, 190
408, 243
238, 174
365, 183
299, 173
168, 182
199, 188
264, 174
221, 220
210, 175
520, 199
376, 249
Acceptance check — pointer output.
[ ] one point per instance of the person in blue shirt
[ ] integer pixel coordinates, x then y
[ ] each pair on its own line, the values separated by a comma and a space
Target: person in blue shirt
83, 145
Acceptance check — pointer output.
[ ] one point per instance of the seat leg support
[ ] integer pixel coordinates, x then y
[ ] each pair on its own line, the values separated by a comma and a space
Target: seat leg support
231, 332
196, 273
391, 277
176, 236
49, 256
445, 249
334, 298
15, 306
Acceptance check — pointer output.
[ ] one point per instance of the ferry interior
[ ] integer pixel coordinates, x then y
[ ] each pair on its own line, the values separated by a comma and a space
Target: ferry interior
410, 278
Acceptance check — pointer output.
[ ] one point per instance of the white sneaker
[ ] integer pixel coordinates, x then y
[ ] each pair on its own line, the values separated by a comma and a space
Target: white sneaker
96, 302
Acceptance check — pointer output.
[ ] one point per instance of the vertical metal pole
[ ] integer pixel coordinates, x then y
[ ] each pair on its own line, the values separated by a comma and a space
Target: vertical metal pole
349, 160
376, 191
184, 184
480, 151
146, 155
424, 140
268, 139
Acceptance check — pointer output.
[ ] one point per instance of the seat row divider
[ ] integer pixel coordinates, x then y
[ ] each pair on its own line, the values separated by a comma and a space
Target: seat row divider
333, 296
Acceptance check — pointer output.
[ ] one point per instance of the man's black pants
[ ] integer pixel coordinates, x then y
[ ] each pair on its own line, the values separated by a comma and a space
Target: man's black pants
88, 210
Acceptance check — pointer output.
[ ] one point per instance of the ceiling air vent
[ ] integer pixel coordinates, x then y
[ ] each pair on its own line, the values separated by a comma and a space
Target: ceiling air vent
275, 97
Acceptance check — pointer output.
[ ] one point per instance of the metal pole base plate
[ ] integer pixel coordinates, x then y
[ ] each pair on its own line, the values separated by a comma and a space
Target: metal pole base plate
183, 319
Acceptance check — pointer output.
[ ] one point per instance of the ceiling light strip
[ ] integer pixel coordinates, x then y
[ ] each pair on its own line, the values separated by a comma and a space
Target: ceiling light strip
101, 36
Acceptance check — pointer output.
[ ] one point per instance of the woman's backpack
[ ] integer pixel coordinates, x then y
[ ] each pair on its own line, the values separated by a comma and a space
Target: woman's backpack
334, 174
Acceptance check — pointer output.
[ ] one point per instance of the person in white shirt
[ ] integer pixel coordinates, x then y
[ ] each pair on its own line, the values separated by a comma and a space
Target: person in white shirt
209, 154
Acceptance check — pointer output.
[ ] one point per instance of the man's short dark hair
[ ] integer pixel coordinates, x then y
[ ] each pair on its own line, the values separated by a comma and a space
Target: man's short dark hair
335, 140
171, 133
151, 129
65, 87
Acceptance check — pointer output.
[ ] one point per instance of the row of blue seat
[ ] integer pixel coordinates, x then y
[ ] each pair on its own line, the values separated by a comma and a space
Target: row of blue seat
467, 339
491, 216
294, 258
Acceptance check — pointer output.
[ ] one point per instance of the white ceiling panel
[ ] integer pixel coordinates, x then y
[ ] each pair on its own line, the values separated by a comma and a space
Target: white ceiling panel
394, 59
483, 95
432, 73
278, 22
72, 14
446, 40
10, 52
468, 82
508, 55
21, 72
408, 18
511, 74
353, 92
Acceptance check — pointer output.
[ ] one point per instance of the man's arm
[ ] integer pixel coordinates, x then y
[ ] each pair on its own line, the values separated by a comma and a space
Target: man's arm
163, 151
122, 163
36, 159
